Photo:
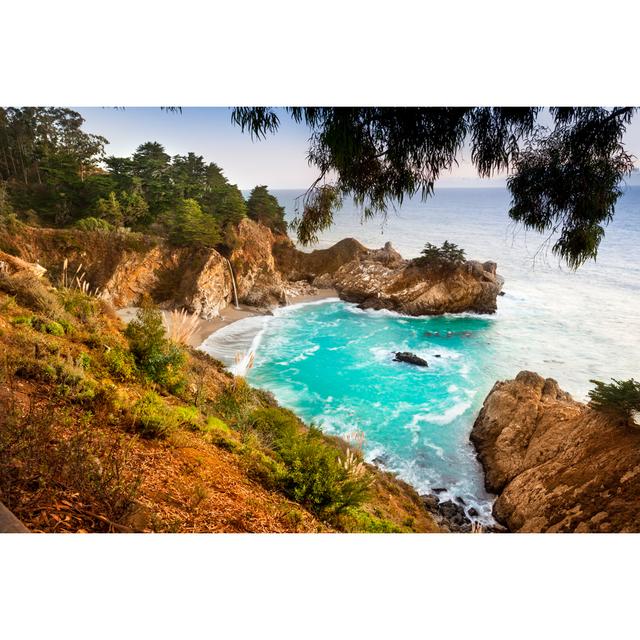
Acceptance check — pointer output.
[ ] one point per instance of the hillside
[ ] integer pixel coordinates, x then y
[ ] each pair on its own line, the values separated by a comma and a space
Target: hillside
94, 438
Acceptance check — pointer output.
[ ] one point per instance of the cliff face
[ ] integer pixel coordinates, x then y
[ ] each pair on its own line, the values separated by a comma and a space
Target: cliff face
258, 280
556, 464
267, 268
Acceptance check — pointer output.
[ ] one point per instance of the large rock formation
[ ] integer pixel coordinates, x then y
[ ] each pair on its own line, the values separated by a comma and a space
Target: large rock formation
259, 282
417, 290
556, 464
382, 279
267, 267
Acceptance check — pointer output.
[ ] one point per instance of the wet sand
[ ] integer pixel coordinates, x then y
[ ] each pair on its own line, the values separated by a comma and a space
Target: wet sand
229, 315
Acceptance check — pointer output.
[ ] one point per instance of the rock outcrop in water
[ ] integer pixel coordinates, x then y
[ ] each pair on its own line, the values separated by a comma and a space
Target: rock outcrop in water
382, 279
418, 290
556, 464
267, 267
410, 358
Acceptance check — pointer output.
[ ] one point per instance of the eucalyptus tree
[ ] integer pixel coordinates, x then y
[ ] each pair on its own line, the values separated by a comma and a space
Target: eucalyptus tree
564, 179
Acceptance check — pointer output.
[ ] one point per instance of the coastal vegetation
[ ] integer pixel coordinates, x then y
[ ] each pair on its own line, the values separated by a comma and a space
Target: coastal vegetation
113, 429
449, 255
53, 173
618, 397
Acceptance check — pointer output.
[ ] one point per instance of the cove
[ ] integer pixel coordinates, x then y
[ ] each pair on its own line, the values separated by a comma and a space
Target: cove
332, 364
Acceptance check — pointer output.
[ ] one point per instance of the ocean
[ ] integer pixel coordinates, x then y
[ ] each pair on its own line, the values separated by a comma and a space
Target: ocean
332, 363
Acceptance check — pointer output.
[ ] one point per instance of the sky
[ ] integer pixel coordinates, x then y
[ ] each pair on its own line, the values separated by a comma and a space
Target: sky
279, 161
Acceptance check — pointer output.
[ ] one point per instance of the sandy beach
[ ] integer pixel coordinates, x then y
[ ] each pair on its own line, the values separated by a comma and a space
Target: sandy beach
229, 315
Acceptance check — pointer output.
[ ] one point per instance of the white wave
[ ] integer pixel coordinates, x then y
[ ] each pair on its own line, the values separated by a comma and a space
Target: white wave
448, 416
303, 355
282, 311
242, 336
439, 450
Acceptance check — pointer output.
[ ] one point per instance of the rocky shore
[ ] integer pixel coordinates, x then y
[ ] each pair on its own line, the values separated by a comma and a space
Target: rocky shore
555, 464
261, 270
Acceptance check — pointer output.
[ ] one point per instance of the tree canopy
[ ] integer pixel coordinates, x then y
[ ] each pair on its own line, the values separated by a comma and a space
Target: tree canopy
264, 208
53, 172
564, 179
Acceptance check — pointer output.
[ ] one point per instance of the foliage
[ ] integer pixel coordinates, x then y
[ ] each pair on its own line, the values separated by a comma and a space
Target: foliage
449, 255
315, 474
92, 224
264, 208
120, 363
152, 417
47, 159
109, 209
188, 225
564, 179
157, 357
621, 397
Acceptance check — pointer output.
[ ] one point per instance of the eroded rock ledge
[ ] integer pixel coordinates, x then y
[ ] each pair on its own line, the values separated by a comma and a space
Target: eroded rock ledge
268, 270
556, 464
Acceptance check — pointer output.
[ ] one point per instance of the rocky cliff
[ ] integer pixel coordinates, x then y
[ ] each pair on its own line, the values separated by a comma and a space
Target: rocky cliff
268, 268
382, 279
556, 464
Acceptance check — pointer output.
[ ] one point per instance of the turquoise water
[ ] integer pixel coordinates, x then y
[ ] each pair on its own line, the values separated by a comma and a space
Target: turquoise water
333, 364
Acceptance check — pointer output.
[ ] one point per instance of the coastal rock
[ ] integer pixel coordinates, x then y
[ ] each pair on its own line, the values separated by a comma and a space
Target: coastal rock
410, 358
555, 463
413, 289
294, 264
448, 513
208, 288
259, 282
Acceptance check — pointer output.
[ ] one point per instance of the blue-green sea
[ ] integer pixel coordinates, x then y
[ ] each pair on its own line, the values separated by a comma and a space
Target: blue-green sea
332, 363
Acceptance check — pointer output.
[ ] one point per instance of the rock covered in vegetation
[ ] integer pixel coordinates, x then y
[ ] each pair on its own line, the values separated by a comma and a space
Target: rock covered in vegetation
556, 464
410, 358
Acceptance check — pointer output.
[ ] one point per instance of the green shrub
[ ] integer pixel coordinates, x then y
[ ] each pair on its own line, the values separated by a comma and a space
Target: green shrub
449, 255
215, 424
274, 426
188, 417
620, 397
160, 359
74, 385
315, 474
83, 361
22, 321
120, 363
78, 304
152, 417
48, 326
358, 521
270, 473
92, 224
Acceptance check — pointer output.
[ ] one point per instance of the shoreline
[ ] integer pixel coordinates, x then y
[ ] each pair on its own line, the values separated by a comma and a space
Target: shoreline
229, 315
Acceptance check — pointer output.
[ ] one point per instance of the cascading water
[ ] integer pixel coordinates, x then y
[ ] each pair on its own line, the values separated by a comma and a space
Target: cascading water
233, 281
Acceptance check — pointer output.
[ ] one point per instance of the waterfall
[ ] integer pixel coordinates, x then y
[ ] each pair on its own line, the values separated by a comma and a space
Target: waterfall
233, 281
